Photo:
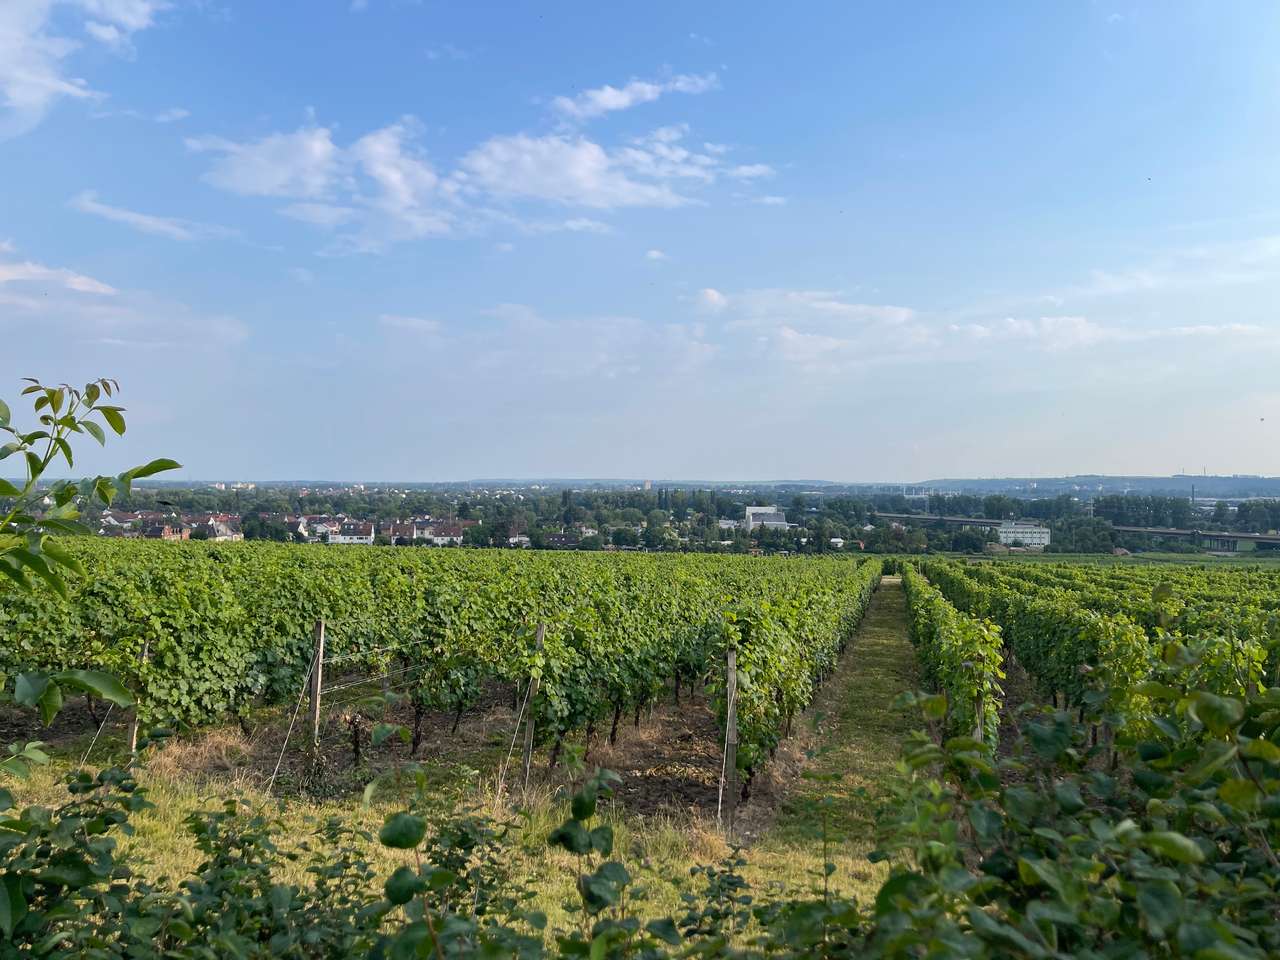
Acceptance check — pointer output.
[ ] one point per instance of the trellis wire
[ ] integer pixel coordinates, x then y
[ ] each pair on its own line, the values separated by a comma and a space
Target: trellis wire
377, 650
506, 764
292, 720
724, 760
381, 676
101, 726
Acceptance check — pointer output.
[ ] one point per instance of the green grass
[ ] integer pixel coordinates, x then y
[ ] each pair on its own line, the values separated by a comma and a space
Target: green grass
853, 745
858, 745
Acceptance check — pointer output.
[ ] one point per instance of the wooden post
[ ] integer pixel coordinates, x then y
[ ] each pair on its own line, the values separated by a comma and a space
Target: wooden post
133, 724
731, 737
317, 680
528, 710
978, 718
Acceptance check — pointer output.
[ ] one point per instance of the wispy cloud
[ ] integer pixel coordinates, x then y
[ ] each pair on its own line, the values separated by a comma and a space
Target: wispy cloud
607, 99
35, 48
172, 227
655, 255
172, 115
29, 272
418, 325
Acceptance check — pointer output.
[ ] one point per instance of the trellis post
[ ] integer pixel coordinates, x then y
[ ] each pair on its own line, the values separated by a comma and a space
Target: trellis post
317, 679
133, 723
534, 683
731, 737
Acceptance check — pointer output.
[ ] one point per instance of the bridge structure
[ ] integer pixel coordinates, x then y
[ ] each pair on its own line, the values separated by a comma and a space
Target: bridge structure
1222, 540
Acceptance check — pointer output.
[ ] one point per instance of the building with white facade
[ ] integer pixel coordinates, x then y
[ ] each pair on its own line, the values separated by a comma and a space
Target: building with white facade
1014, 533
771, 518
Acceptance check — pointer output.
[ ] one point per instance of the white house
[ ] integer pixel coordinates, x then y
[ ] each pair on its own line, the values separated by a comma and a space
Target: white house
1014, 532
771, 518
354, 531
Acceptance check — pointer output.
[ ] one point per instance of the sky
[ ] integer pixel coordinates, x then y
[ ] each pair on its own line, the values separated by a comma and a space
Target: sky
395, 240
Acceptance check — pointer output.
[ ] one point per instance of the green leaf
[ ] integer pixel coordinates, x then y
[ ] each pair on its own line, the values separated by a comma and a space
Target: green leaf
13, 904
1263, 750
7, 489
584, 801
50, 703
1160, 903
1219, 714
95, 431
602, 840
1239, 793
96, 682
402, 831
28, 688
403, 885
665, 930
4, 414
113, 417
383, 731
1174, 846
571, 836
152, 468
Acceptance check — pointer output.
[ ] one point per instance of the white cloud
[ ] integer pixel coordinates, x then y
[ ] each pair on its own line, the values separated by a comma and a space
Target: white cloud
171, 227
302, 275
712, 299
559, 169
383, 189
34, 52
770, 200
751, 171
607, 99
107, 33
172, 115
420, 325
381, 186
1059, 333
130, 15
36, 273
299, 164
655, 255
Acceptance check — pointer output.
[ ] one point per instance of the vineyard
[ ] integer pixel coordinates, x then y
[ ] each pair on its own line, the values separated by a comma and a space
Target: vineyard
205, 633
1091, 636
1094, 769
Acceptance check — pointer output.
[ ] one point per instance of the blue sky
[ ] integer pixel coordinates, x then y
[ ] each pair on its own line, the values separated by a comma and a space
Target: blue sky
398, 240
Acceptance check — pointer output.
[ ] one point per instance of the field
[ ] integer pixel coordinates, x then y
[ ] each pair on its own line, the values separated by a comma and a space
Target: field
1084, 734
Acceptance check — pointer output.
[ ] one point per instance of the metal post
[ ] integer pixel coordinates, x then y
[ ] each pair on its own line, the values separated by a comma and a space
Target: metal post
534, 683
731, 736
133, 724
317, 679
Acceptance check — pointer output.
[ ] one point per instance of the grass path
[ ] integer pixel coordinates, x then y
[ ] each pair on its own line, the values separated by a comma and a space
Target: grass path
858, 740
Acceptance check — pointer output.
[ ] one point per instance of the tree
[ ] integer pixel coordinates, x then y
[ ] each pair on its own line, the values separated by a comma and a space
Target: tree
34, 515
34, 518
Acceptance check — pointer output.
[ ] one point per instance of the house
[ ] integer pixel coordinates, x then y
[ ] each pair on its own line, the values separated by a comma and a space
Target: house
355, 532
838, 542
519, 540
445, 534
222, 531
166, 531
770, 518
562, 541
727, 524
1015, 533
400, 532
